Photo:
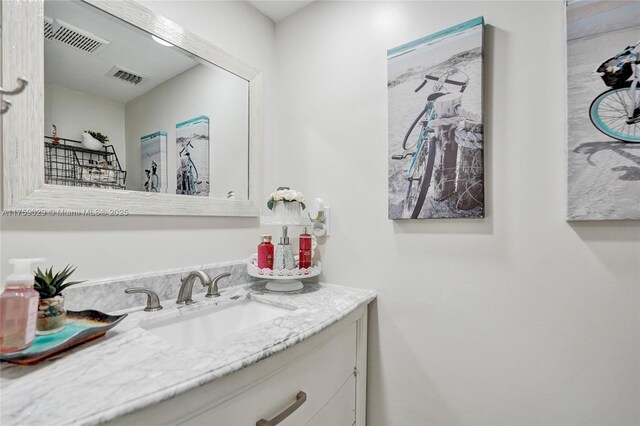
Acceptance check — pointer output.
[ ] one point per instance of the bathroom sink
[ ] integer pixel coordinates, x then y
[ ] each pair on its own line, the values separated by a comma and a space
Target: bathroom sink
211, 323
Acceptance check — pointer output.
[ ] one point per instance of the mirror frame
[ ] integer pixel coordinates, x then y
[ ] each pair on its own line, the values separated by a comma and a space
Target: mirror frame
23, 126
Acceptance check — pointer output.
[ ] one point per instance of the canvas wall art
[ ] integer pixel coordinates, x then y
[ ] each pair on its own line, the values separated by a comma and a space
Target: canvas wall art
436, 165
154, 162
192, 153
603, 109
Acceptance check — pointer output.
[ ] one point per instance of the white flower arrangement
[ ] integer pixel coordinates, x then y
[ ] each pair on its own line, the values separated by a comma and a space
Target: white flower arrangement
286, 194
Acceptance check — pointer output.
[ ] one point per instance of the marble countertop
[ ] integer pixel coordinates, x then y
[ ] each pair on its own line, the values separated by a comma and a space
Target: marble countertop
132, 368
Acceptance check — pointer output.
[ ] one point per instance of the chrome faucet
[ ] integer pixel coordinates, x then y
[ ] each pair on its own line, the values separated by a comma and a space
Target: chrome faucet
186, 289
153, 302
213, 288
184, 295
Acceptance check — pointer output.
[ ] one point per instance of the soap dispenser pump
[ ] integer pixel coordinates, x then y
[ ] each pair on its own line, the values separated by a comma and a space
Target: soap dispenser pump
284, 255
18, 307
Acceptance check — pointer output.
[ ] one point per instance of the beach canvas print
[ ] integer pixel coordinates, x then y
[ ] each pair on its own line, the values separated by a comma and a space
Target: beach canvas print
436, 165
192, 153
603, 109
154, 162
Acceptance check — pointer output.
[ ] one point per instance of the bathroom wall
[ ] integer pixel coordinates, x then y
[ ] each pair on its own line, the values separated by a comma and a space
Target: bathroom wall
201, 90
108, 246
519, 318
74, 112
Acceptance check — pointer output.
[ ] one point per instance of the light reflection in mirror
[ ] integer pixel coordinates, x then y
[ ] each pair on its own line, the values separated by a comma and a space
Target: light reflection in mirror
175, 124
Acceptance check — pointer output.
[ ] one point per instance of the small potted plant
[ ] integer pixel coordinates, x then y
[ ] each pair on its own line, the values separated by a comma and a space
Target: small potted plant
286, 203
94, 140
52, 316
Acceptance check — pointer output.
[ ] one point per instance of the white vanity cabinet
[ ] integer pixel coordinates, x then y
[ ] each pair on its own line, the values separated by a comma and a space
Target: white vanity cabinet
319, 381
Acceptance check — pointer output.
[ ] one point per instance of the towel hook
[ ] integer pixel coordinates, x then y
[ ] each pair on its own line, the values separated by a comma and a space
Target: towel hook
22, 83
5, 106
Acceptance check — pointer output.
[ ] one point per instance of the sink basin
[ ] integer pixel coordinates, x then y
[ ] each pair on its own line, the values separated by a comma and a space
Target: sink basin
212, 323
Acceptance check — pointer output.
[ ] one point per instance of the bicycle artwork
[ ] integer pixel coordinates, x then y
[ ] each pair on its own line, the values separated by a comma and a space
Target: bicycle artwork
152, 184
603, 109
192, 153
616, 111
154, 159
436, 167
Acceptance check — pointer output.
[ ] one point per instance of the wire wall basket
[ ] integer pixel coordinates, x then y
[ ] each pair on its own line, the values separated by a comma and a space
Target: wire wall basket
67, 162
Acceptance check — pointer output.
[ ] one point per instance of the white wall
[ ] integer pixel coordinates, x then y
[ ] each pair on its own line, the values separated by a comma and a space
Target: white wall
201, 90
74, 112
520, 318
104, 246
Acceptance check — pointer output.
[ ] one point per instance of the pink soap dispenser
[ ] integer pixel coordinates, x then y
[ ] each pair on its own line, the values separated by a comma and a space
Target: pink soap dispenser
18, 307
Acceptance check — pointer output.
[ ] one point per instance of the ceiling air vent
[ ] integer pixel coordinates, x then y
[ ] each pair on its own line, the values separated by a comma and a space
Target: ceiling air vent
60, 31
127, 76
48, 28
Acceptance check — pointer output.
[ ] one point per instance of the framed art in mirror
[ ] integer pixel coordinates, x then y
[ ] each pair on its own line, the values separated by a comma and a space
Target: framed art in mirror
26, 186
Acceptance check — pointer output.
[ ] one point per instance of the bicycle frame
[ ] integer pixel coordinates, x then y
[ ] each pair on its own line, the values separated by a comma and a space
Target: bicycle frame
430, 113
192, 167
421, 138
154, 169
616, 111
635, 103
635, 76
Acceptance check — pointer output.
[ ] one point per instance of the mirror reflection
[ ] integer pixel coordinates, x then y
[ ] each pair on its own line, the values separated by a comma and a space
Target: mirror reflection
126, 110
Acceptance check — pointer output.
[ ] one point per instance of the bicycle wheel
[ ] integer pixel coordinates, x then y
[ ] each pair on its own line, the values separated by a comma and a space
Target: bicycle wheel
189, 183
420, 181
413, 125
413, 190
184, 185
608, 113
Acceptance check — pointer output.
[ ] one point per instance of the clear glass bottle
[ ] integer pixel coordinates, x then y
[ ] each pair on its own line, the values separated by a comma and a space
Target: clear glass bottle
284, 255
18, 308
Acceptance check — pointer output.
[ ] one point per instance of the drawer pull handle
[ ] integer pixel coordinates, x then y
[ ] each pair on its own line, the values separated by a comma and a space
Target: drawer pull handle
301, 397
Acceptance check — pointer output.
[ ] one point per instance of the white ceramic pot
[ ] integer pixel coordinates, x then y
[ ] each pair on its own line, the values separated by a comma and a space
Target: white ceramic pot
287, 211
90, 142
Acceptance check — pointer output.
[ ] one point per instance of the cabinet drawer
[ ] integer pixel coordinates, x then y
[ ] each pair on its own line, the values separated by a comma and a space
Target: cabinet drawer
340, 410
321, 374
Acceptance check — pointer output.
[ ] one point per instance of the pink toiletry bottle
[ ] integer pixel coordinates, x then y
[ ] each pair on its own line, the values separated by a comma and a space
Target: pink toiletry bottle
18, 307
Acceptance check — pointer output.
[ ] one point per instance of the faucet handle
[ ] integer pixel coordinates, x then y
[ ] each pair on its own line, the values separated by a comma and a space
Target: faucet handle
153, 303
212, 290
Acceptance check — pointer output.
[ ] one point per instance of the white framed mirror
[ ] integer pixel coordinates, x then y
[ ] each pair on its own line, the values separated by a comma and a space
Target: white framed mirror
181, 119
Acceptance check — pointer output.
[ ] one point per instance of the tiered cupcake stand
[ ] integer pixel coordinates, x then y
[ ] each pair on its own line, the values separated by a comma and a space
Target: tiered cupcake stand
282, 279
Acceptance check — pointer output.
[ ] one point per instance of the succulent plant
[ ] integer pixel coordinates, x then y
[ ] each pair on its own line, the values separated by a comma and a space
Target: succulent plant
49, 284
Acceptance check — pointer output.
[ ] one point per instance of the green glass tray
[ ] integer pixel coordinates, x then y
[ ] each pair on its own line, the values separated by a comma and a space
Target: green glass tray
82, 327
